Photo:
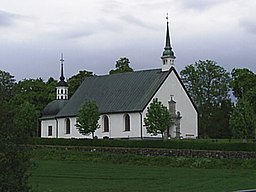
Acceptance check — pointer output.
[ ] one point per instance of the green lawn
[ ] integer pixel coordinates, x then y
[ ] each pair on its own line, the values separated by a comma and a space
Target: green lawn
75, 176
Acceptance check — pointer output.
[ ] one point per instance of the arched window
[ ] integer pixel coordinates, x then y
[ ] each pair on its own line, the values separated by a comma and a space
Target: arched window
67, 131
127, 126
105, 124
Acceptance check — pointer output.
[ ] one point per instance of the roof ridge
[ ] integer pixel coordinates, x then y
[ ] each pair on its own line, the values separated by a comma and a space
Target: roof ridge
130, 72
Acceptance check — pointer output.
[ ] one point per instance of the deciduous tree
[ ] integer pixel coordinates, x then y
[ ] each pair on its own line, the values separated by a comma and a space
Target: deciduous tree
207, 84
158, 118
14, 157
243, 118
122, 66
88, 116
26, 120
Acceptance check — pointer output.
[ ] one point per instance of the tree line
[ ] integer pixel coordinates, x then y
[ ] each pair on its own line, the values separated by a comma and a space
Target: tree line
225, 100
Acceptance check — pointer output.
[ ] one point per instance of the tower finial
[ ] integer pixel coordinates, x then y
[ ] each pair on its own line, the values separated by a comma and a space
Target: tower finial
62, 86
168, 54
62, 78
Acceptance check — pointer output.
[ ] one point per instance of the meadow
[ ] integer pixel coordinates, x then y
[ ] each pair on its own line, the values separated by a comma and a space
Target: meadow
68, 171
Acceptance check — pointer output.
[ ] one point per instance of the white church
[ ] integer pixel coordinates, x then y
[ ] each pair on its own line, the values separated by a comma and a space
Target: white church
123, 100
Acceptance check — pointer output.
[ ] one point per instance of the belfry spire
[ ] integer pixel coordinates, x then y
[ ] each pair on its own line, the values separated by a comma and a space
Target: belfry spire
167, 41
168, 56
62, 78
62, 86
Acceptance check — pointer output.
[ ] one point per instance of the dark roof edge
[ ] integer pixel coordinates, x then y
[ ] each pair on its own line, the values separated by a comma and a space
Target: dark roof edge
157, 89
135, 111
183, 86
190, 98
105, 113
47, 117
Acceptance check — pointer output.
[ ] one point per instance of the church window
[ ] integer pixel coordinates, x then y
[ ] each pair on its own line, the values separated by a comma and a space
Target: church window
49, 130
61, 91
127, 124
105, 124
67, 131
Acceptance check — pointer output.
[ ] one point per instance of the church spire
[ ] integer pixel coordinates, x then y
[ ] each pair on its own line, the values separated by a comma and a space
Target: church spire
62, 78
167, 40
62, 86
168, 56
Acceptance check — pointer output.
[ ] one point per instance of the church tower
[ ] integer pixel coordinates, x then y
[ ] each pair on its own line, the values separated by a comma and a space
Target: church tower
168, 55
62, 86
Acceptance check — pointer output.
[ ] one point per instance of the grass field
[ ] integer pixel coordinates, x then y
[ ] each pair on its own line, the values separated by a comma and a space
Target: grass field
78, 172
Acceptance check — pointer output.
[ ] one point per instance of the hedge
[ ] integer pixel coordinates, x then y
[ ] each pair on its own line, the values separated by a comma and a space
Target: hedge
168, 144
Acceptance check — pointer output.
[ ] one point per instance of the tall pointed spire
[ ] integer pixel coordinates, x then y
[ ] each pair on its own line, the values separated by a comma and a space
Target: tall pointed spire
62, 78
62, 86
168, 56
168, 48
167, 41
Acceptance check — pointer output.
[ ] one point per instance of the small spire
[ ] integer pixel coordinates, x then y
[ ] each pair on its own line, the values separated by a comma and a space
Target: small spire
167, 42
168, 48
62, 78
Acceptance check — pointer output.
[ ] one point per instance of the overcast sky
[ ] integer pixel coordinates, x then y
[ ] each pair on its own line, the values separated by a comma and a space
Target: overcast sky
93, 34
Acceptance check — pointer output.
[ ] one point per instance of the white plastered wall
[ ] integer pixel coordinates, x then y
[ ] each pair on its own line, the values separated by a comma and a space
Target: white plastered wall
44, 128
116, 127
188, 123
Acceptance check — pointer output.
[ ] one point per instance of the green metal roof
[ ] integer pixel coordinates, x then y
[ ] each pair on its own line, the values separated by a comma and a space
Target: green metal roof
53, 108
116, 93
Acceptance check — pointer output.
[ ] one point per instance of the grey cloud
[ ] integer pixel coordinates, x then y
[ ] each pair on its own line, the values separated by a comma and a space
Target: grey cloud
201, 4
77, 33
7, 19
135, 21
110, 6
248, 25
88, 29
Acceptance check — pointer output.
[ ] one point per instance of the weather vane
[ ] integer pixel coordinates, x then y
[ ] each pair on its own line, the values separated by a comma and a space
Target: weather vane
167, 18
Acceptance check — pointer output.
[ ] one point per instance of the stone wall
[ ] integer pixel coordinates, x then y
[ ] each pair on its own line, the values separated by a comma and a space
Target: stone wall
160, 152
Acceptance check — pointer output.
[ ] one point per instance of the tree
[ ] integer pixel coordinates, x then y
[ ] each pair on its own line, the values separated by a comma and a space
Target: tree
207, 84
34, 91
242, 82
76, 80
14, 157
88, 116
7, 82
243, 120
158, 118
26, 119
122, 66
51, 88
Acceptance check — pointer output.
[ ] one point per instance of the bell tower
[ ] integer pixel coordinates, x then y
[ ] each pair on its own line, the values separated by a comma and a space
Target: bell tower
62, 86
168, 54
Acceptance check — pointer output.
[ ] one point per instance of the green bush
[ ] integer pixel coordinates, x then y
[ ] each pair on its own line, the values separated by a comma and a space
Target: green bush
168, 144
